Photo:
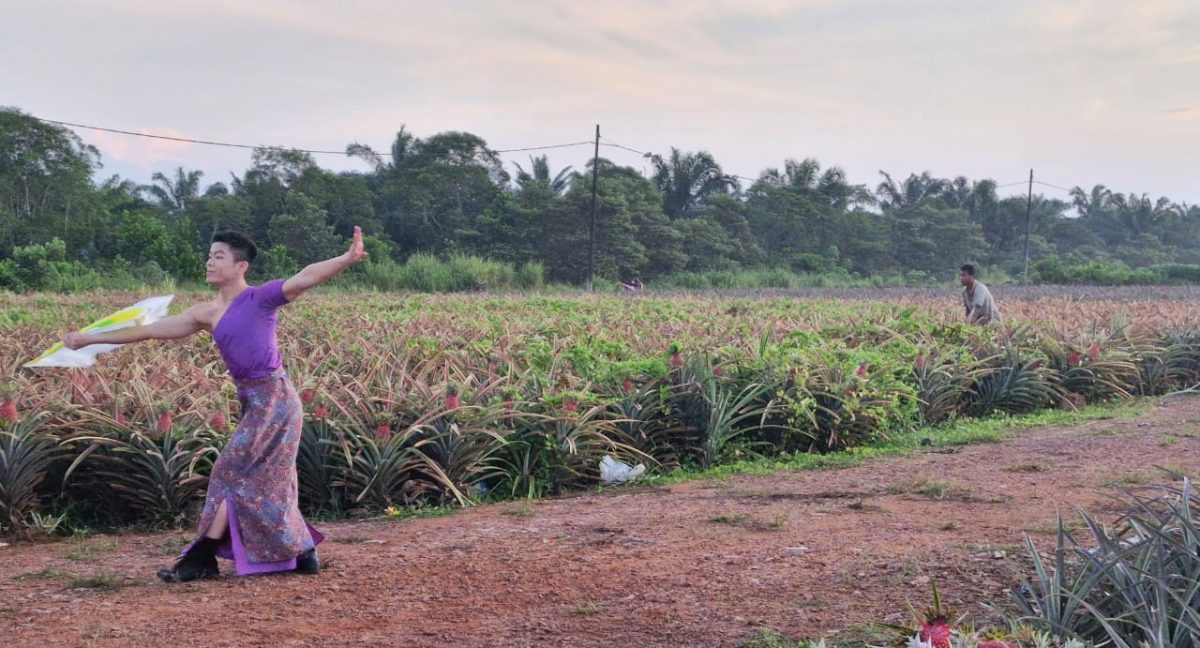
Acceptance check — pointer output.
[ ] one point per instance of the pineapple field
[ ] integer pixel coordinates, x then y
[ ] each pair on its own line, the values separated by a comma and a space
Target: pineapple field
420, 405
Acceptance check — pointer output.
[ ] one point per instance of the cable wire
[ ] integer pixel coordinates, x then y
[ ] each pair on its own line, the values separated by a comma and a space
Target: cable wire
606, 142
269, 148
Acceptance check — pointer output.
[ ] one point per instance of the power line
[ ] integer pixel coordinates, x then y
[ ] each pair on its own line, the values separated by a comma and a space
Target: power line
186, 139
1052, 185
606, 142
542, 148
631, 150
269, 148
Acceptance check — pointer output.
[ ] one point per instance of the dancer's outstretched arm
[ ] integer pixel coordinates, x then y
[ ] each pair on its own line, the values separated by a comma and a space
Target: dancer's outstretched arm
168, 328
322, 271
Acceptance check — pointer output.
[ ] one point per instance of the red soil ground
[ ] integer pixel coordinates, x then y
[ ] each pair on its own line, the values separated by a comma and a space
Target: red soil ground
706, 563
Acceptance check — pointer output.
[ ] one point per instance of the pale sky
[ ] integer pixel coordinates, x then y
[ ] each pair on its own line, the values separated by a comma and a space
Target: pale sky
1083, 91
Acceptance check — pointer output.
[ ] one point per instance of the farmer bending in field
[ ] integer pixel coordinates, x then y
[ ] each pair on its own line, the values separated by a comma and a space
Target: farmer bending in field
251, 514
981, 308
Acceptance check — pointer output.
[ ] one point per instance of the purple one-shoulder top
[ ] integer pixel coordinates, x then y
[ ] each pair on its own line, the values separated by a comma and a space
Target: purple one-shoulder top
245, 335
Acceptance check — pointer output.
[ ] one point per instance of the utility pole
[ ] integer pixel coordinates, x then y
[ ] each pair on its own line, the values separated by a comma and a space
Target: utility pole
592, 224
1028, 213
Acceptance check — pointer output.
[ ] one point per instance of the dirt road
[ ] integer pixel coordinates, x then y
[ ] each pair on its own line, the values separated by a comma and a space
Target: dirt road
698, 564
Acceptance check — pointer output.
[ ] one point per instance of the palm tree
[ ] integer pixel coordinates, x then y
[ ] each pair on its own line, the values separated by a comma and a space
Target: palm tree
174, 195
540, 167
1124, 218
404, 145
829, 187
911, 192
686, 179
1091, 205
975, 197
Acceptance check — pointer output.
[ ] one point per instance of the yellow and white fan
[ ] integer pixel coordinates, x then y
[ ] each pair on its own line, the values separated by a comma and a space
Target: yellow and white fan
144, 312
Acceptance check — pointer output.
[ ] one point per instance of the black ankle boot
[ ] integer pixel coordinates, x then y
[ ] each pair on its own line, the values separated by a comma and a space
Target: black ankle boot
199, 563
308, 562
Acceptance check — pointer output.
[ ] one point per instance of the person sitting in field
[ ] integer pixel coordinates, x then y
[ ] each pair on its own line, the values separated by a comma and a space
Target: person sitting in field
633, 286
977, 299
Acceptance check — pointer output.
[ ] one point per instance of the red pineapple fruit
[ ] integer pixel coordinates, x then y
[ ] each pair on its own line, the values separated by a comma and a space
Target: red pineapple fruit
936, 627
452, 396
321, 412
8, 403
936, 631
570, 405
861, 372
165, 421
307, 396
1094, 351
676, 356
218, 420
627, 386
383, 431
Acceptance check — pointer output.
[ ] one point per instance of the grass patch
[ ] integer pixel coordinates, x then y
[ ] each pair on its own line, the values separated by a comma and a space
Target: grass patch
964, 432
351, 540
522, 511
407, 513
1050, 527
1031, 467
777, 521
85, 550
994, 550
174, 546
45, 574
857, 636
930, 488
771, 639
103, 582
1125, 480
1175, 472
589, 608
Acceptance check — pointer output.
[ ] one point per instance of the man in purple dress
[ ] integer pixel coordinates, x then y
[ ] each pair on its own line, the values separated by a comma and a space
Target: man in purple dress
251, 513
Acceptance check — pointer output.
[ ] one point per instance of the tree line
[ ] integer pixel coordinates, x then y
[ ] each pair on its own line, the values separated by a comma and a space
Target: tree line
449, 194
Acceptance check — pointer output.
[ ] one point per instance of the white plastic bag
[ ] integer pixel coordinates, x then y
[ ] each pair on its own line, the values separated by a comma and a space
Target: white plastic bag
144, 312
615, 472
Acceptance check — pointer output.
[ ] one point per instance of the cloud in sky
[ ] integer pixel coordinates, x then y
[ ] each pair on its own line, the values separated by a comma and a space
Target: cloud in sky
1073, 88
142, 151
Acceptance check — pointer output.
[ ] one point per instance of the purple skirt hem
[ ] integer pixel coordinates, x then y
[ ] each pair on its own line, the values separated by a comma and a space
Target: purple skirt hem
234, 549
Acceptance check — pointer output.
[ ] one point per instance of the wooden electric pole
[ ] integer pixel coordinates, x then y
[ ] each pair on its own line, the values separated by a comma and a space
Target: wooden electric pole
1028, 213
591, 275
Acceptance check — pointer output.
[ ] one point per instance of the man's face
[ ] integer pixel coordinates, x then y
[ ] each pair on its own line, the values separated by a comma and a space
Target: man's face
222, 267
966, 279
